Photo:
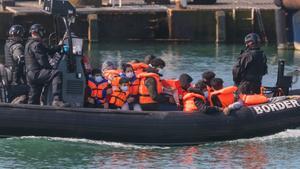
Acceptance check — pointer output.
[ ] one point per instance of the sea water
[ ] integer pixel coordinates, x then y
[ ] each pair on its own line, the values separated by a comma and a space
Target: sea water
276, 151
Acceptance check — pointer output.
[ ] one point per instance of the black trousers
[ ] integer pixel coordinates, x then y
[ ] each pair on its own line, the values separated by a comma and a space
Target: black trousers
37, 80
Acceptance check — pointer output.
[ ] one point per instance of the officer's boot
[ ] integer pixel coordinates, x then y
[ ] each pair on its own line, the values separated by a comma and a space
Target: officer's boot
57, 102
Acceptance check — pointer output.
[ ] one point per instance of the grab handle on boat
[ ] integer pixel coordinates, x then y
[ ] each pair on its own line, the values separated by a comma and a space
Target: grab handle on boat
283, 82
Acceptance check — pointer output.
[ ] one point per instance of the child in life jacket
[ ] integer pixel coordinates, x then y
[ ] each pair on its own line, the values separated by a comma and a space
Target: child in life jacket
133, 99
98, 90
120, 95
195, 101
207, 76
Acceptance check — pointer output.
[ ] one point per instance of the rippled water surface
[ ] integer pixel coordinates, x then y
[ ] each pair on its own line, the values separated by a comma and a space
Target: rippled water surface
276, 151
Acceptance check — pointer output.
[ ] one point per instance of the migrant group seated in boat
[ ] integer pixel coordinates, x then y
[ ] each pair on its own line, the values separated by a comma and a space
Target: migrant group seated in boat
138, 86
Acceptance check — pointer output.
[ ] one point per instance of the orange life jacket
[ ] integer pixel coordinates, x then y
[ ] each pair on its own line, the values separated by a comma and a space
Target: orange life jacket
174, 84
98, 90
111, 74
189, 103
134, 87
143, 91
118, 98
115, 82
225, 95
255, 99
138, 67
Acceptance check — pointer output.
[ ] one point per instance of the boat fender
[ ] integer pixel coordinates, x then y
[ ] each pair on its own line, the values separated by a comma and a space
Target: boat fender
267, 108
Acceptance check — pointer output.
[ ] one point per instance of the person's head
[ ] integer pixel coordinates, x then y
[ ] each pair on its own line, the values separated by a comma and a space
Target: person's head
124, 84
252, 40
96, 73
207, 76
245, 88
128, 70
107, 65
216, 83
185, 81
201, 85
158, 64
149, 58
16, 31
37, 31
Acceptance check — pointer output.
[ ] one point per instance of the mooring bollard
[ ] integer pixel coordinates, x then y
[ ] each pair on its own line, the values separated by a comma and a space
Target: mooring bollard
220, 26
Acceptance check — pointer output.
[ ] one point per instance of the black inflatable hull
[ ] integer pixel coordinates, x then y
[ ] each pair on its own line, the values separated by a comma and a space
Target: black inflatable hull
148, 128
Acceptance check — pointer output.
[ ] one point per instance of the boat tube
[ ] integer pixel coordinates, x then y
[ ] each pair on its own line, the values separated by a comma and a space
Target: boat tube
148, 128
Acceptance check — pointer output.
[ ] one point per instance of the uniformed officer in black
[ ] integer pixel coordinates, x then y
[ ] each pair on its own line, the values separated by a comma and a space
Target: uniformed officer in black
14, 54
251, 65
39, 71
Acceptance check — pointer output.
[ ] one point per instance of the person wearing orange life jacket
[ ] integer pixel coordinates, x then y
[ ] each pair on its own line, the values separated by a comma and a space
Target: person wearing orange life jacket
120, 96
250, 98
150, 88
221, 97
195, 101
139, 67
207, 76
185, 81
109, 70
98, 90
133, 99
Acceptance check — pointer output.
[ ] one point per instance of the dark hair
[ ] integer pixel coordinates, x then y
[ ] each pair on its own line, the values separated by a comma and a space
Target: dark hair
125, 66
245, 88
149, 58
185, 79
217, 83
208, 75
123, 80
201, 85
158, 62
135, 61
96, 71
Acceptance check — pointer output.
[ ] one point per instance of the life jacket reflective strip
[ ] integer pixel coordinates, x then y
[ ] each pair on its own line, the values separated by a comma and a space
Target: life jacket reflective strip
189, 103
225, 95
134, 87
98, 90
255, 99
143, 91
138, 67
111, 74
118, 98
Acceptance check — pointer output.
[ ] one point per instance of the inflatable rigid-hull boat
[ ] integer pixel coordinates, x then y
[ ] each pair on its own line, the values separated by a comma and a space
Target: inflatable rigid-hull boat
148, 128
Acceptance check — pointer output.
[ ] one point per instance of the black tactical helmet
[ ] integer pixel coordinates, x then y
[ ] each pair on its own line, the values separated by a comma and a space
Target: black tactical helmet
252, 39
39, 29
16, 31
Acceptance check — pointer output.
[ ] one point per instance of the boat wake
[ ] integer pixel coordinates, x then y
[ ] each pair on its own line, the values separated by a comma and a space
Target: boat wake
290, 133
95, 142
